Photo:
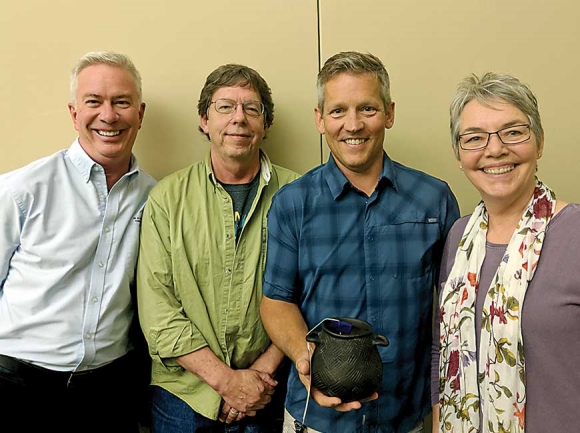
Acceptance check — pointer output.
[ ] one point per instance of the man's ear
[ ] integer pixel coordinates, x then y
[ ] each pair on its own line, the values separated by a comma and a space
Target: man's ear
203, 123
73, 114
390, 116
319, 120
141, 113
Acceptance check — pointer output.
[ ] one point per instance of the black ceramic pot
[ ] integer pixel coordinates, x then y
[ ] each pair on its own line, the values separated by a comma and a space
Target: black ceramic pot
346, 362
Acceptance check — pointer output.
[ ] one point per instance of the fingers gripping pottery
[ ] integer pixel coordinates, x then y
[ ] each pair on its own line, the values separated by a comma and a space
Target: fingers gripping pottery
346, 362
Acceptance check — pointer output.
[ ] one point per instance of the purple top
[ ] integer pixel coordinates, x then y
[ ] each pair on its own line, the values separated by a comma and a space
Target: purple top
550, 322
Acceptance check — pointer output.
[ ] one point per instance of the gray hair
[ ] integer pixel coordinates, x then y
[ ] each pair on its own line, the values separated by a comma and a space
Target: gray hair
487, 89
104, 58
352, 62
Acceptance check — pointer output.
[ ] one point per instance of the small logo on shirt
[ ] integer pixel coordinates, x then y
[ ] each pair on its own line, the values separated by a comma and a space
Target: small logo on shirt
432, 220
137, 217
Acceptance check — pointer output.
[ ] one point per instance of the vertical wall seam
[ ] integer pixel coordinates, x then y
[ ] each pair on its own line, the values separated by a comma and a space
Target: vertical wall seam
318, 19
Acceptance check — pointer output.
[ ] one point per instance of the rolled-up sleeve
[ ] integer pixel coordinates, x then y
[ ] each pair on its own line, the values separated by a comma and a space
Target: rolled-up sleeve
168, 331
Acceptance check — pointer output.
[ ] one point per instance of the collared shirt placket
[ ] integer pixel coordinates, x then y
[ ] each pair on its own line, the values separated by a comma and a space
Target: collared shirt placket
108, 206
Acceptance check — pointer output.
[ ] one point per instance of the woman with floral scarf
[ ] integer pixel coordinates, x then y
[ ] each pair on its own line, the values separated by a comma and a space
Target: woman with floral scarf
505, 354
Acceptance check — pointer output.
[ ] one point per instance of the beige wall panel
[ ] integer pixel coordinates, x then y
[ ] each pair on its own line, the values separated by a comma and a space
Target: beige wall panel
174, 44
429, 46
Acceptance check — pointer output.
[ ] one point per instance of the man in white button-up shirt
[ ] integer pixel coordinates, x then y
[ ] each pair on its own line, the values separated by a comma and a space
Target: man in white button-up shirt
69, 232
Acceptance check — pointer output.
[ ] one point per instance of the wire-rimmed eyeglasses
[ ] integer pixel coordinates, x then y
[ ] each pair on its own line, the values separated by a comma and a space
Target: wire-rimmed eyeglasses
228, 106
479, 140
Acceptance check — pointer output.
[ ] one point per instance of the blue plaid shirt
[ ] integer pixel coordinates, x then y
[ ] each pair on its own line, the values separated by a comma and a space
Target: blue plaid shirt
336, 252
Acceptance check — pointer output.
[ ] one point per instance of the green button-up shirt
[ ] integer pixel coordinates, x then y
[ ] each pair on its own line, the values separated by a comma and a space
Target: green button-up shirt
195, 287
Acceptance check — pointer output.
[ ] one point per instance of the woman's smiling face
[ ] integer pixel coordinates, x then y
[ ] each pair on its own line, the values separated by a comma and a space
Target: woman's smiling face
503, 174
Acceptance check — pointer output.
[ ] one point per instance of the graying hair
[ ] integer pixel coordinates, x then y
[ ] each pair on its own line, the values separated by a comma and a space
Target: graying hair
352, 62
104, 58
487, 89
234, 75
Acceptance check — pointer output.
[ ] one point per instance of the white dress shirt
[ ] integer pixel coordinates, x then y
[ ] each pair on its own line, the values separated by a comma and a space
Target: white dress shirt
68, 249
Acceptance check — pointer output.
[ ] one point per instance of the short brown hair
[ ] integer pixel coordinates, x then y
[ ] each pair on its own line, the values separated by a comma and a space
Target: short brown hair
352, 62
236, 75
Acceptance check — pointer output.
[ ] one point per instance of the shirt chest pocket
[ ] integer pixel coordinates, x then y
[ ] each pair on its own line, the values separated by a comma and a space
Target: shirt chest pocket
406, 247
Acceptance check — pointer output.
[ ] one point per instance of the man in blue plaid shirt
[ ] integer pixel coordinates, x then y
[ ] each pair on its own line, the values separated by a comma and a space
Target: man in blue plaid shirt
360, 236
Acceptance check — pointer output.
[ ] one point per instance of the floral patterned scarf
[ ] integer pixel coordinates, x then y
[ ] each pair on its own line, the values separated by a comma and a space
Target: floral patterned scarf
498, 389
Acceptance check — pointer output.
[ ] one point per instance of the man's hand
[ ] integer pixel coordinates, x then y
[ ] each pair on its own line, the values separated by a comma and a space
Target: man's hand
303, 368
286, 327
247, 390
228, 414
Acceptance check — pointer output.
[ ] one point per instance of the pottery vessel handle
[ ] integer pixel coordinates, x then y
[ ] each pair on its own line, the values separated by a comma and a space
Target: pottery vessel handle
380, 340
313, 337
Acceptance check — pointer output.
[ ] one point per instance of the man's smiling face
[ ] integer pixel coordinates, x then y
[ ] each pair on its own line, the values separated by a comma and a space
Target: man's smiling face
107, 113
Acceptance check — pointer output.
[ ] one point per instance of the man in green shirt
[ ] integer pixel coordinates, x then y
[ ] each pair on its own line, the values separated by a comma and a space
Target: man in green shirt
201, 262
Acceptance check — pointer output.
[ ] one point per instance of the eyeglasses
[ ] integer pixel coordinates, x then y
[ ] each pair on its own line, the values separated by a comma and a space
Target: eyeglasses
479, 140
227, 106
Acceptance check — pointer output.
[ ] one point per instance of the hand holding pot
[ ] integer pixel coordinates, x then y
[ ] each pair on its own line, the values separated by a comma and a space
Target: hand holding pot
346, 363
303, 368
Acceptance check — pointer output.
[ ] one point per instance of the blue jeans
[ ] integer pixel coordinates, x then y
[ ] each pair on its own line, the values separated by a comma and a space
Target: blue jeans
170, 414
289, 425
